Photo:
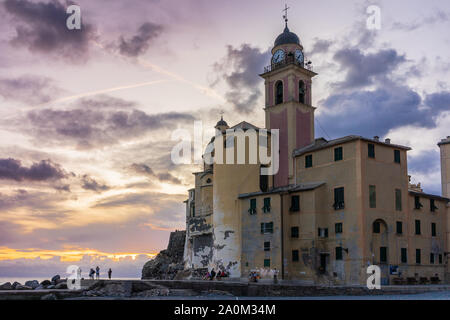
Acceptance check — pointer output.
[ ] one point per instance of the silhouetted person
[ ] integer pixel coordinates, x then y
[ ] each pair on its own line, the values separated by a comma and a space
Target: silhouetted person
91, 274
109, 273
213, 274
97, 273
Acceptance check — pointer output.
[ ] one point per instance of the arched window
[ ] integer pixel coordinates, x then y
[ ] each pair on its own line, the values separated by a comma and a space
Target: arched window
279, 92
301, 91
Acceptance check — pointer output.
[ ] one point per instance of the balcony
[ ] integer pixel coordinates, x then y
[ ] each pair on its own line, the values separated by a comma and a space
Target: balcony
287, 61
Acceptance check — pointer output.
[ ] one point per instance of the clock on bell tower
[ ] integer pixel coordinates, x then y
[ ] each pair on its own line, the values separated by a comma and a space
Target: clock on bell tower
288, 100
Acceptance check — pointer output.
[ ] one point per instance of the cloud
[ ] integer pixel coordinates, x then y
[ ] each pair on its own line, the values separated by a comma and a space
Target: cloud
104, 101
89, 183
320, 46
362, 69
146, 170
139, 43
240, 70
28, 89
90, 128
12, 169
41, 27
436, 18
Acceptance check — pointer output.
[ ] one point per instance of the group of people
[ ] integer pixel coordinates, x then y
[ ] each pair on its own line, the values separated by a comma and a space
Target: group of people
220, 274
96, 272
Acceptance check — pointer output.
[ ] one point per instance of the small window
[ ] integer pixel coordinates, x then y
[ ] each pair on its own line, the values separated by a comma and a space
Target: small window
308, 161
279, 92
295, 255
417, 203
399, 227
338, 227
433, 229
267, 227
193, 210
371, 150
418, 256
397, 156
432, 205
263, 182
398, 199
301, 91
417, 225
376, 227
294, 232
322, 232
404, 256
266, 245
295, 203
431, 258
266, 263
440, 258
252, 209
338, 198
383, 254
338, 253
266, 207
338, 154
372, 196
208, 180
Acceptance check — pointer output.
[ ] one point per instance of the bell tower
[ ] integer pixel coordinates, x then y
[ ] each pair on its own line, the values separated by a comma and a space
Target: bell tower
288, 108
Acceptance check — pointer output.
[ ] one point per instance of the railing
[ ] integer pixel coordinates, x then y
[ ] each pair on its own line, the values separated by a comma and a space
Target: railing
288, 60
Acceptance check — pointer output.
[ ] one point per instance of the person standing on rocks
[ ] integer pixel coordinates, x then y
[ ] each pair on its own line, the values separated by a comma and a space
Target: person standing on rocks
97, 273
109, 273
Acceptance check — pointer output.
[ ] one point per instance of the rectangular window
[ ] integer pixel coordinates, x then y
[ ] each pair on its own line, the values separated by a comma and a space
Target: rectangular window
417, 203
266, 263
338, 227
417, 227
295, 255
338, 154
323, 232
295, 203
371, 150
432, 206
383, 254
440, 258
404, 257
376, 227
418, 256
266, 245
267, 227
399, 227
266, 207
294, 232
397, 156
338, 198
372, 197
308, 161
431, 258
338, 253
252, 209
433, 229
398, 199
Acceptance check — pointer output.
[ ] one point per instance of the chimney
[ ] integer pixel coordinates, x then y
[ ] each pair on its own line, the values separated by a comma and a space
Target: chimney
387, 140
376, 138
444, 145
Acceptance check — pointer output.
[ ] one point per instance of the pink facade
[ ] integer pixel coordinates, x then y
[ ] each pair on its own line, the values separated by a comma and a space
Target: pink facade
279, 121
303, 128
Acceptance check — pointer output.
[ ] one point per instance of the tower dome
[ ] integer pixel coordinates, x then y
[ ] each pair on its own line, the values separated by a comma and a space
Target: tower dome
287, 37
222, 124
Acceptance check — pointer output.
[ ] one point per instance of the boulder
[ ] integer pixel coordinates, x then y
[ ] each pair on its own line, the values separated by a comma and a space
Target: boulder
40, 287
168, 262
6, 286
15, 284
46, 283
55, 279
20, 287
52, 286
32, 284
61, 285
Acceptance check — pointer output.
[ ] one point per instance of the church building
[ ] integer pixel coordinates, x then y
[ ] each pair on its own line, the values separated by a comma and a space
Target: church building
333, 207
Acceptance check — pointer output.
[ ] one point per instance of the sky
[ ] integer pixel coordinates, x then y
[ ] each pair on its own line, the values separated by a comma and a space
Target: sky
87, 116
